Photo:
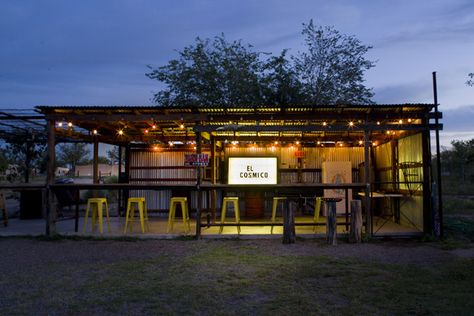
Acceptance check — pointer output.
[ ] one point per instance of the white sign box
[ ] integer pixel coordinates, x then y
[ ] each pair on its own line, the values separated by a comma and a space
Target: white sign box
253, 170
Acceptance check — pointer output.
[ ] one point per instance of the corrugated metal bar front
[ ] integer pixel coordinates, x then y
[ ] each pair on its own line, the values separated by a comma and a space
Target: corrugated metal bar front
161, 167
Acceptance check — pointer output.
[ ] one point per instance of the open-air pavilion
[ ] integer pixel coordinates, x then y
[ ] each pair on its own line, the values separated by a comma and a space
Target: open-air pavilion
379, 154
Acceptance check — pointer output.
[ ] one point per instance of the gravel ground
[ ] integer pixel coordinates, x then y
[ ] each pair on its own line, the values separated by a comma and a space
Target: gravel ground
24, 253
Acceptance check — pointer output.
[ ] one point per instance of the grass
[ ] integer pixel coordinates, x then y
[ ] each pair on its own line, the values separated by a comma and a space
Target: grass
230, 278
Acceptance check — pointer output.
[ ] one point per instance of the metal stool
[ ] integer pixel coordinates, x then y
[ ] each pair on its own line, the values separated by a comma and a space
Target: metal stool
317, 210
183, 201
132, 204
97, 207
235, 203
275, 202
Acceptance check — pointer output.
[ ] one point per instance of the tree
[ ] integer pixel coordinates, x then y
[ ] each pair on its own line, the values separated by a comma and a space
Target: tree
113, 155
332, 69
27, 155
73, 154
210, 72
217, 72
470, 82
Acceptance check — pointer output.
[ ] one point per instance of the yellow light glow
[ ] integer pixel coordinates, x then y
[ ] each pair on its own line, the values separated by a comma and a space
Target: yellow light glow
351, 124
155, 147
378, 122
360, 142
325, 123
94, 132
388, 132
69, 124
276, 142
60, 124
409, 120
297, 142
153, 126
145, 131
181, 126
120, 132
319, 143
341, 144
400, 121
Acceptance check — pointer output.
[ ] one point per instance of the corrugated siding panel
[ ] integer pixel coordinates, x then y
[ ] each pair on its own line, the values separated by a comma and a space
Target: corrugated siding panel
159, 200
410, 151
313, 159
383, 160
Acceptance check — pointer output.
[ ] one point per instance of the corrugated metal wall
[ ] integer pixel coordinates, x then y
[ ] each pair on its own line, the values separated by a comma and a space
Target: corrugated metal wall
159, 200
313, 158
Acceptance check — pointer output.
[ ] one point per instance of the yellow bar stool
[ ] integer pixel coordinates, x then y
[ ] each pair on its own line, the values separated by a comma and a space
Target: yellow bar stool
276, 200
140, 204
317, 210
97, 205
183, 201
235, 202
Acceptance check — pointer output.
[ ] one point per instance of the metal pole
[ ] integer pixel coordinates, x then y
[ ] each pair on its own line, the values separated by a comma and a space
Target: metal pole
438, 157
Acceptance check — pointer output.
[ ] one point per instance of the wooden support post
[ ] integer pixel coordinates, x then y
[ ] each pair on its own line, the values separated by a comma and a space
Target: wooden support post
198, 186
95, 162
3, 208
51, 213
355, 234
368, 206
331, 227
289, 233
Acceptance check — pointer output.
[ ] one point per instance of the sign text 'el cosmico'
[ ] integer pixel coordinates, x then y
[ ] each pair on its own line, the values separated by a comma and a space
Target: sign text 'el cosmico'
252, 170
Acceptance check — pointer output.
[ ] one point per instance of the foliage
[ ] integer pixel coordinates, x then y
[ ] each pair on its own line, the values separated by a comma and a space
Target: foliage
72, 155
27, 156
210, 72
113, 155
100, 160
218, 72
332, 69
470, 82
457, 163
3, 161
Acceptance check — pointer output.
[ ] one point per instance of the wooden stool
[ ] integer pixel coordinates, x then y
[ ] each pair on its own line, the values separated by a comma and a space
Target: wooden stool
132, 204
275, 202
97, 204
183, 201
317, 210
3, 207
235, 203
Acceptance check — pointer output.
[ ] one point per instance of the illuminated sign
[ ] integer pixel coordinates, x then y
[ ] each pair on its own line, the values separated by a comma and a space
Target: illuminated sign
197, 160
253, 170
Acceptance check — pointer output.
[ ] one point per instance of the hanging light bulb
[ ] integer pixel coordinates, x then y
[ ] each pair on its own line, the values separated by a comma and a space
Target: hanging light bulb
120, 132
69, 124
60, 124
94, 132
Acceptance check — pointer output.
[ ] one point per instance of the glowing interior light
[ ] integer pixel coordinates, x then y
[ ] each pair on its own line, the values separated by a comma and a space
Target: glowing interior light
120, 132
409, 120
146, 131
388, 132
155, 147
360, 142
94, 132
351, 123
400, 121
69, 124
181, 126
319, 143
60, 124
153, 126
297, 142
325, 123
341, 144
276, 142
378, 122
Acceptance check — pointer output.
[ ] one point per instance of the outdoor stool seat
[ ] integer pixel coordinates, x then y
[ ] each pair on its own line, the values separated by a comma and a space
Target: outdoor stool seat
317, 210
183, 201
132, 204
97, 205
235, 202
276, 200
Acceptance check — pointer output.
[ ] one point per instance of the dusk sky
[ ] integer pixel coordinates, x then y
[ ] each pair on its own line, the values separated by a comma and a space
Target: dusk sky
92, 52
